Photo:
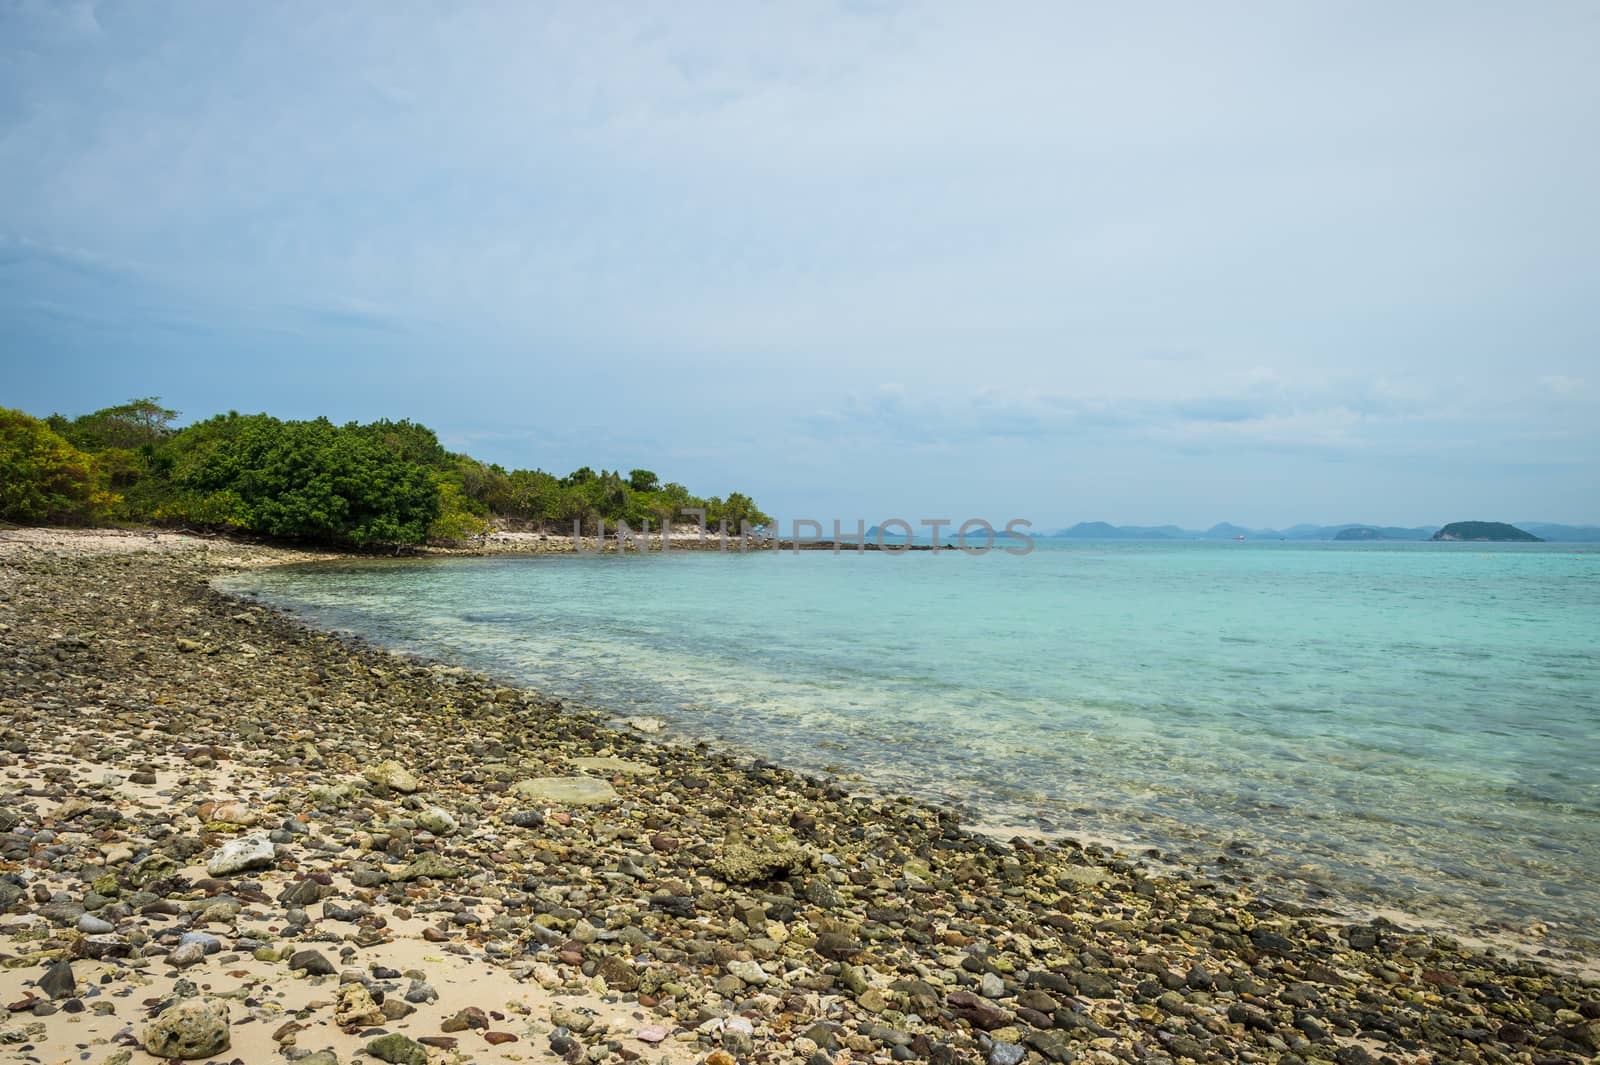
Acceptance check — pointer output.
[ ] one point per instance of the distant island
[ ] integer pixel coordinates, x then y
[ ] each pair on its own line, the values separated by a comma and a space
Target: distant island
1491, 531
1523, 532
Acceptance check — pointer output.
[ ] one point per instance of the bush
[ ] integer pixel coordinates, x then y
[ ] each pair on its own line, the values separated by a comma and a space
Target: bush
44, 479
303, 480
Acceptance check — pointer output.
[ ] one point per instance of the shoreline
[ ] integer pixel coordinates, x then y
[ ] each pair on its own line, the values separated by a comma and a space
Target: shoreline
749, 908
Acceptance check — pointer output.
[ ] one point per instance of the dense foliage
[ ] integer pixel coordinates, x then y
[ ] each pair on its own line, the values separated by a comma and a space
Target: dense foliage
44, 479
385, 482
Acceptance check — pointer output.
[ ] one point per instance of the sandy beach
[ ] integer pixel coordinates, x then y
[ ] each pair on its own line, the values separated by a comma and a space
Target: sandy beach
222, 830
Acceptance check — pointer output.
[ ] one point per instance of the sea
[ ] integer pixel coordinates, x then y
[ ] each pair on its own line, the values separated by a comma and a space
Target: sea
1402, 728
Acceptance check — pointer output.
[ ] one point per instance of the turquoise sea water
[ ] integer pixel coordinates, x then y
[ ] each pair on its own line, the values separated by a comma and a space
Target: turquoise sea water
1408, 726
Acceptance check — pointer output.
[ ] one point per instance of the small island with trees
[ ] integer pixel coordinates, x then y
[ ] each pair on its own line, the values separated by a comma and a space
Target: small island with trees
1486, 532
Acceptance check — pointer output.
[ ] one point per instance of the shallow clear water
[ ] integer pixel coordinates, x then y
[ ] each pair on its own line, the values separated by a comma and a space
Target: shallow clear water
1413, 726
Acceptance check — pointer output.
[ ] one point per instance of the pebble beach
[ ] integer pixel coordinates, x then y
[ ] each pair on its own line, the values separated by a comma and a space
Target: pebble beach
227, 837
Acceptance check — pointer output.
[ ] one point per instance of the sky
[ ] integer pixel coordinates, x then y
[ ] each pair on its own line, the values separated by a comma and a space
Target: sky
1143, 262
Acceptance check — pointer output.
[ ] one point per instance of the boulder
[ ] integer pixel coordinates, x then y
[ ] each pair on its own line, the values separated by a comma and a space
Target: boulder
193, 1028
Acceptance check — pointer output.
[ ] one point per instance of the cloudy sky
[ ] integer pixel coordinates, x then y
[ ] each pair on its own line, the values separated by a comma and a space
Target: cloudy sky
1136, 262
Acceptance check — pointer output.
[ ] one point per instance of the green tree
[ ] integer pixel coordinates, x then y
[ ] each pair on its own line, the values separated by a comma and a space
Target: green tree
308, 480
43, 478
128, 426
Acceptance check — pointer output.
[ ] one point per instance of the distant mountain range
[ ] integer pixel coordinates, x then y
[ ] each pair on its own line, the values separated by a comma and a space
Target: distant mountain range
1099, 530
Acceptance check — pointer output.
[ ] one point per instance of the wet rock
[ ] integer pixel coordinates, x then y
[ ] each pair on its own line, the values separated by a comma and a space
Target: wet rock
193, 1028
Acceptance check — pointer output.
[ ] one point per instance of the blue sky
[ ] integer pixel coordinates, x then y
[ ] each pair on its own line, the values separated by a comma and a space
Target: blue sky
1142, 262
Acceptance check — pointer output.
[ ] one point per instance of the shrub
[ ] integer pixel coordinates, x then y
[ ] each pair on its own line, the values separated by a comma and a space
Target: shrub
44, 479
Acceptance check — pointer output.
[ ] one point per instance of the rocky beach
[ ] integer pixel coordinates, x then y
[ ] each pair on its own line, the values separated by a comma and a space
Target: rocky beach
227, 837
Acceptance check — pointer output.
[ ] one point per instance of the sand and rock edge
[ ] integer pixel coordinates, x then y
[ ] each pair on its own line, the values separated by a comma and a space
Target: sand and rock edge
225, 835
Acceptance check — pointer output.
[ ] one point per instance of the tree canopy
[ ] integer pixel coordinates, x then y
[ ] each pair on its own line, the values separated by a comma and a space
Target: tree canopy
383, 482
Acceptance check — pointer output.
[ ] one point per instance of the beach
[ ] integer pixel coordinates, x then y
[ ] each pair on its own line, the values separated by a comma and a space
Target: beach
341, 848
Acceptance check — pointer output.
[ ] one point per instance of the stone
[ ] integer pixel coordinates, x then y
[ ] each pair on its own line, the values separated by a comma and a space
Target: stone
354, 1008
1006, 1053
240, 855
58, 981
392, 775
310, 962
976, 1011
186, 954
614, 767
427, 864
749, 972
437, 820
470, 1017
193, 1028
398, 1049
742, 862
566, 791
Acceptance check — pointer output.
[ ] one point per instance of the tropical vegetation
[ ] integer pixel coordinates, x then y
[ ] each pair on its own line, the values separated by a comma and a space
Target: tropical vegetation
383, 482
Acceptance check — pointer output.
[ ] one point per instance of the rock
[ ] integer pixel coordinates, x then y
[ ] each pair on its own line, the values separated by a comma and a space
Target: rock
398, 1050
742, 862
58, 982
310, 962
91, 925
1006, 1053
566, 791
392, 775
976, 1011
427, 864
614, 767
321, 1057
186, 954
837, 945
193, 1028
470, 1017
749, 972
210, 944
437, 820
652, 1034
239, 855
618, 973
99, 948
233, 813
354, 1008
